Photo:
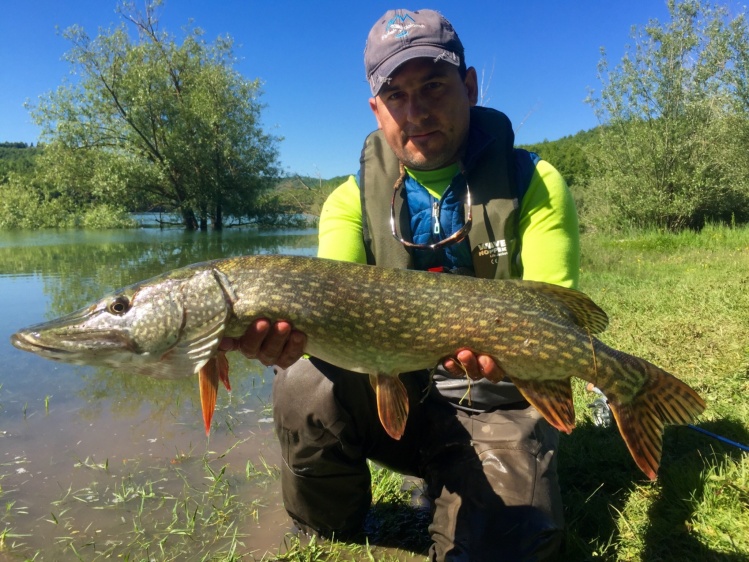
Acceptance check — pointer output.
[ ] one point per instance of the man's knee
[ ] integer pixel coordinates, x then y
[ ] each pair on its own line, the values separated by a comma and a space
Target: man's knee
501, 489
324, 477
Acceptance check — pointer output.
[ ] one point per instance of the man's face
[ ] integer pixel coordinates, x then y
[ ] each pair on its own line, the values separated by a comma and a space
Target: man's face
424, 112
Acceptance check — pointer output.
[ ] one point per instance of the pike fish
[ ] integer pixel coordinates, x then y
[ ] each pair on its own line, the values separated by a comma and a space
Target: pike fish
379, 322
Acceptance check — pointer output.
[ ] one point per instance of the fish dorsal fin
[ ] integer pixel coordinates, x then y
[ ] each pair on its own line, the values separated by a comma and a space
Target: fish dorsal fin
579, 307
392, 403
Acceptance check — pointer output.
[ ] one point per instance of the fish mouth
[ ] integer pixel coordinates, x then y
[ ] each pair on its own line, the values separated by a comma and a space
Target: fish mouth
29, 341
36, 342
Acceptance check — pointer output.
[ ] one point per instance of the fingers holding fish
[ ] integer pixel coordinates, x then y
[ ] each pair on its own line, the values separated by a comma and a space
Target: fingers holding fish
474, 366
270, 343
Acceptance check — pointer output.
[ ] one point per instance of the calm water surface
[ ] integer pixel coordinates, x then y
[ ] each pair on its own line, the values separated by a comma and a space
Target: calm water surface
103, 465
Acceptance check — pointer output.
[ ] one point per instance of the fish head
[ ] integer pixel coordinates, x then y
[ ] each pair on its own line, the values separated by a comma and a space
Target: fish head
166, 327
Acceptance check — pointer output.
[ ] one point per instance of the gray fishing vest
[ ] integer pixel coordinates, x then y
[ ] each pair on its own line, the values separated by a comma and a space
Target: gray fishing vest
490, 172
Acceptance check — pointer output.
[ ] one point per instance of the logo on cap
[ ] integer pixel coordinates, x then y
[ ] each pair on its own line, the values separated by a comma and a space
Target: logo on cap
399, 26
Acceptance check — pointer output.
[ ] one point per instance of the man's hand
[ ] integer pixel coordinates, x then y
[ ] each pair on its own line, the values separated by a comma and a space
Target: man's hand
474, 366
271, 344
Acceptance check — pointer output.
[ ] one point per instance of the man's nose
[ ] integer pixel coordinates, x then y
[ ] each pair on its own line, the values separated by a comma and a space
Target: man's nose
417, 109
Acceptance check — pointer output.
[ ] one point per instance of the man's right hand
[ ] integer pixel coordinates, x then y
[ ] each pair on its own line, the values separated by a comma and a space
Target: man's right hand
271, 344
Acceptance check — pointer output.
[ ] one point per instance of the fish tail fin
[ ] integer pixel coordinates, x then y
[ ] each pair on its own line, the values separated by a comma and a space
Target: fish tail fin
662, 399
392, 403
216, 369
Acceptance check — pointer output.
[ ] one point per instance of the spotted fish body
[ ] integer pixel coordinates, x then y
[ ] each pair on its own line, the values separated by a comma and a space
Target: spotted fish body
375, 321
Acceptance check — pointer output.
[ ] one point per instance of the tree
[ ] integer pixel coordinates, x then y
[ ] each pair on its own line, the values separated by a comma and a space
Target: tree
171, 125
665, 112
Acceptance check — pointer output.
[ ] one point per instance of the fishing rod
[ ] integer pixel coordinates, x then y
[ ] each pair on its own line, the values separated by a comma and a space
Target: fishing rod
719, 437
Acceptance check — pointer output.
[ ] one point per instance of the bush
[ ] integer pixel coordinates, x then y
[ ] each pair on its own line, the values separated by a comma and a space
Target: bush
105, 216
24, 206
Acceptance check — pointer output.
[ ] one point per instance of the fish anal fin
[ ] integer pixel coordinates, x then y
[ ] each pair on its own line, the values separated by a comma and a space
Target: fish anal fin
663, 399
208, 378
392, 403
553, 400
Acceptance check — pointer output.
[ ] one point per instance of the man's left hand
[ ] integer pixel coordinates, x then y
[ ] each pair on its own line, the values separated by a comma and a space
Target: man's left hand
474, 366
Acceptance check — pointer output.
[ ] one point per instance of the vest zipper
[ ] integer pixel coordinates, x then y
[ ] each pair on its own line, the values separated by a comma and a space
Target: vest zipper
436, 218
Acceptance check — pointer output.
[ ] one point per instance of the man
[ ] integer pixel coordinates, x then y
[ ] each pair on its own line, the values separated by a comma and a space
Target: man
440, 187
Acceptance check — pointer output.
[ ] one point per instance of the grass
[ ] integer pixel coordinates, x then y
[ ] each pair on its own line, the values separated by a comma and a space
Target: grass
680, 301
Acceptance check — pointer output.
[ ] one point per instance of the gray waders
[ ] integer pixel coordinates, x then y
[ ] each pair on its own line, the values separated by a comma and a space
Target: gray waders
490, 477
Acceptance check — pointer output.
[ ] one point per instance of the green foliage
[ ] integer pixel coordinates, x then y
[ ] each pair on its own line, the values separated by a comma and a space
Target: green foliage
664, 156
16, 157
306, 194
24, 205
567, 155
154, 123
77, 193
106, 216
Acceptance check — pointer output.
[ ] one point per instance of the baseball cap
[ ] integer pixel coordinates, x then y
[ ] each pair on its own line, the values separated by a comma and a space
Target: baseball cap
402, 35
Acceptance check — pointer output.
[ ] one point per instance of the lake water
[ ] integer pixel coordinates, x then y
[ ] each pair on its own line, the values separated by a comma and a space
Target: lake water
97, 464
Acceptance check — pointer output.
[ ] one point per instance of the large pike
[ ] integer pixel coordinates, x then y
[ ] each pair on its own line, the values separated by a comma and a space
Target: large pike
379, 322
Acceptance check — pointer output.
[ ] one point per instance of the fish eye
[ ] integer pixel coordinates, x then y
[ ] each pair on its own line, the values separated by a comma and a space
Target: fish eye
118, 306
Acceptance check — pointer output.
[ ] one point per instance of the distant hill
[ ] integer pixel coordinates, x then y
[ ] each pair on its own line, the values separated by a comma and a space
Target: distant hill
16, 157
567, 154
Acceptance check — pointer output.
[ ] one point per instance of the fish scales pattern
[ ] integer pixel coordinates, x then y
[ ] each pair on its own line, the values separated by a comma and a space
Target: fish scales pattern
377, 321
352, 310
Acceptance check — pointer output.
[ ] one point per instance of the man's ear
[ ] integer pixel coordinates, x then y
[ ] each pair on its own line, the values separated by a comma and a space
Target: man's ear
471, 83
375, 110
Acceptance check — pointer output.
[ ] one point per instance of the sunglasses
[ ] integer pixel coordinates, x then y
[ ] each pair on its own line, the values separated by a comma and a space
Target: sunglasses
454, 238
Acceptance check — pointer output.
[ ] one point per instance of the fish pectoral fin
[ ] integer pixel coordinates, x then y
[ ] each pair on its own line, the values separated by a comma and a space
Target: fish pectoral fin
553, 400
222, 364
216, 369
392, 403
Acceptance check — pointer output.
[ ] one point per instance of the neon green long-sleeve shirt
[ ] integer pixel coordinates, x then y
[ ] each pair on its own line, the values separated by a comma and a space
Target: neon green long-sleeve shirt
548, 227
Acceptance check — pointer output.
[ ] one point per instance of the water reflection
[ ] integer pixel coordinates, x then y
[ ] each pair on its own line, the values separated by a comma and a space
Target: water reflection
80, 266
76, 268
62, 426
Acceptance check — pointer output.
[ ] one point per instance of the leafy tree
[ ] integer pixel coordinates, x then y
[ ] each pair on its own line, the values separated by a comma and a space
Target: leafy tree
160, 123
666, 111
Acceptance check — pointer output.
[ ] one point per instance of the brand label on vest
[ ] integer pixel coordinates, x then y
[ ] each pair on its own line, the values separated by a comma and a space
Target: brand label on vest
491, 251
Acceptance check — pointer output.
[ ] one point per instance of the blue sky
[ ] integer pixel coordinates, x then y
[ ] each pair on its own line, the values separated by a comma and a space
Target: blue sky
541, 56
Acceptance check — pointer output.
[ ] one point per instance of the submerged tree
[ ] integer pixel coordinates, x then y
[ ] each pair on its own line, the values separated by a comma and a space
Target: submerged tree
172, 125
